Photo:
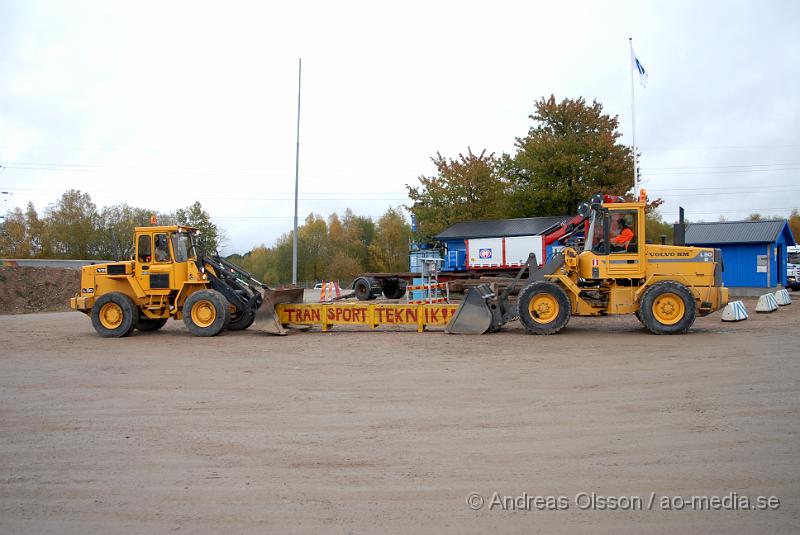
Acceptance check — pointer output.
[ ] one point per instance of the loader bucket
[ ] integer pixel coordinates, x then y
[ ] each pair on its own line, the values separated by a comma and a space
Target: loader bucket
266, 316
477, 314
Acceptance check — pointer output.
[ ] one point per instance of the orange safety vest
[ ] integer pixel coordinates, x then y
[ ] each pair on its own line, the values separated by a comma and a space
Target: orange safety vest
624, 236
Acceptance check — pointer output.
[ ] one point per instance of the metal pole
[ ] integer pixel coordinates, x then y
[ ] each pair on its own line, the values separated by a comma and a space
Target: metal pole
296, 175
633, 126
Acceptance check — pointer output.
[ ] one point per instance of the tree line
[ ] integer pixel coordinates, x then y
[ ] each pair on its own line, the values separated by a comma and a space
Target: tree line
74, 228
338, 248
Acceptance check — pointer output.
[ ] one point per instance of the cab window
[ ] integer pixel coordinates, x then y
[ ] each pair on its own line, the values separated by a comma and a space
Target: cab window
162, 248
144, 251
623, 232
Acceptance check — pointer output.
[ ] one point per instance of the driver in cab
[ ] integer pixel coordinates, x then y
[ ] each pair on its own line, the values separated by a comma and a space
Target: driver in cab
624, 236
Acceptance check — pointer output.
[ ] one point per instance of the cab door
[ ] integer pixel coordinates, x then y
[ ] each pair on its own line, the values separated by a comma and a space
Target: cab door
154, 266
162, 268
626, 243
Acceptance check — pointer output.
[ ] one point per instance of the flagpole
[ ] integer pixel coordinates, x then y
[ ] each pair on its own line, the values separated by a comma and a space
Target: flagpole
296, 175
633, 125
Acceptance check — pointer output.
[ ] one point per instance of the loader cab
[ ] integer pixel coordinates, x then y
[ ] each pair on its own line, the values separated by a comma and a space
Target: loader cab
162, 257
615, 243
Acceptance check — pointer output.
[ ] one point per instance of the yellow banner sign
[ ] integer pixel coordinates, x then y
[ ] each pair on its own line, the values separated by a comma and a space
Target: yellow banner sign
421, 315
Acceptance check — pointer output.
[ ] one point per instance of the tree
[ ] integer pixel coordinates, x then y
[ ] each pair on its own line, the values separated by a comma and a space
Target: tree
570, 153
389, 250
655, 227
72, 221
211, 237
463, 189
13, 236
116, 224
794, 224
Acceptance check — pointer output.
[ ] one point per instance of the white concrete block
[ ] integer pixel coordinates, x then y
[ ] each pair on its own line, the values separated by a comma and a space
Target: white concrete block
782, 297
734, 311
767, 303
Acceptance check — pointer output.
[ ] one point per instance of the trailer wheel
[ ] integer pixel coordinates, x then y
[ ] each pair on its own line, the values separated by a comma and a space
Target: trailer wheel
668, 307
148, 325
363, 290
242, 321
205, 313
393, 289
544, 308
114, 315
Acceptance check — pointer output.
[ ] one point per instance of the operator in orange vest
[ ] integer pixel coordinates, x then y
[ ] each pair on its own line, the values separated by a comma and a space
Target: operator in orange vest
620, 241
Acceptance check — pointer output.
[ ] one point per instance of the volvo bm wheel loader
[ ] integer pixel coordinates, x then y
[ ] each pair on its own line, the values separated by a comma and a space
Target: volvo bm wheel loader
616, 272
166, 279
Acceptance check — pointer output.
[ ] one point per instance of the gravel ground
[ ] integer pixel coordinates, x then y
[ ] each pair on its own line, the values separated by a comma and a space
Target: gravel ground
391, 431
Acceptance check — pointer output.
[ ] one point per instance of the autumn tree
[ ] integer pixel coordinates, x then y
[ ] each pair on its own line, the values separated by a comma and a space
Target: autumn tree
570, 153
13, 236
794, 224
389, 250
465, 188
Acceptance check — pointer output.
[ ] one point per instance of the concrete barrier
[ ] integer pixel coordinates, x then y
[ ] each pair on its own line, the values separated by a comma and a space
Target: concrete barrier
734, 311
767, 303
782, 297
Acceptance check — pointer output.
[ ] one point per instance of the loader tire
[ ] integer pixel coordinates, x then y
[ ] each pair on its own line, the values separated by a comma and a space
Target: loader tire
393, 289
544, 308
150, 325
668, 307
240, 322
114, 315
205, 313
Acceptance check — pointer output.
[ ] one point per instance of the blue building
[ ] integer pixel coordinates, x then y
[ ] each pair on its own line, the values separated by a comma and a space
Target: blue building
753, 252
455, 248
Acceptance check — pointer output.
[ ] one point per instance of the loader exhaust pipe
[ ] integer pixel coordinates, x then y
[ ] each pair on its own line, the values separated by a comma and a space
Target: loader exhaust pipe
267, 319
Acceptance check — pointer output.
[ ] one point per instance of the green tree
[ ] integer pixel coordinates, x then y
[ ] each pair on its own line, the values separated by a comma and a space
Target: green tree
116, 224
463, 189
570, 153
72, 221
389, 250
211, 237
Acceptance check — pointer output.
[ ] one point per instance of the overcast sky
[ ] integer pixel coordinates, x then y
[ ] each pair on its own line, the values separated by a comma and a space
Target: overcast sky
159, 104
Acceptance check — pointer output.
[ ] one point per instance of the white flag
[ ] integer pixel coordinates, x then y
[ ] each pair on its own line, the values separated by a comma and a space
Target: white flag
637, 66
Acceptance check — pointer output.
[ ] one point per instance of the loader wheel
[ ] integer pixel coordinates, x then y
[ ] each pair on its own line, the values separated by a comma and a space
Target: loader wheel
205, 313
114, 315
149, 325
544, 308
393, 289
668, 307
242, 321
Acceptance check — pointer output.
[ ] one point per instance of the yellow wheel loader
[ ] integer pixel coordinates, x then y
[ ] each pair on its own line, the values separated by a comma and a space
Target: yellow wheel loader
166, 279
616, 272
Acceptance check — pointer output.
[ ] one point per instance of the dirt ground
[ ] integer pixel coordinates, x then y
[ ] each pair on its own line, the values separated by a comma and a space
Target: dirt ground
392, 431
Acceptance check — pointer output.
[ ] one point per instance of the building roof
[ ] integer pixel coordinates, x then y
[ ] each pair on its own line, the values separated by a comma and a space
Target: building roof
764, 231
497, 228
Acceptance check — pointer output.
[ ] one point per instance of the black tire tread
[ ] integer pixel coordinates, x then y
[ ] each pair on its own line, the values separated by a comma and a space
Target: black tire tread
130, 315
564, 313
222, 320
646, 308
150, 325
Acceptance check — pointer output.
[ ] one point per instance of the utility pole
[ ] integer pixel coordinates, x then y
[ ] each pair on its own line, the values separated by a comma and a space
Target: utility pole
296, 174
